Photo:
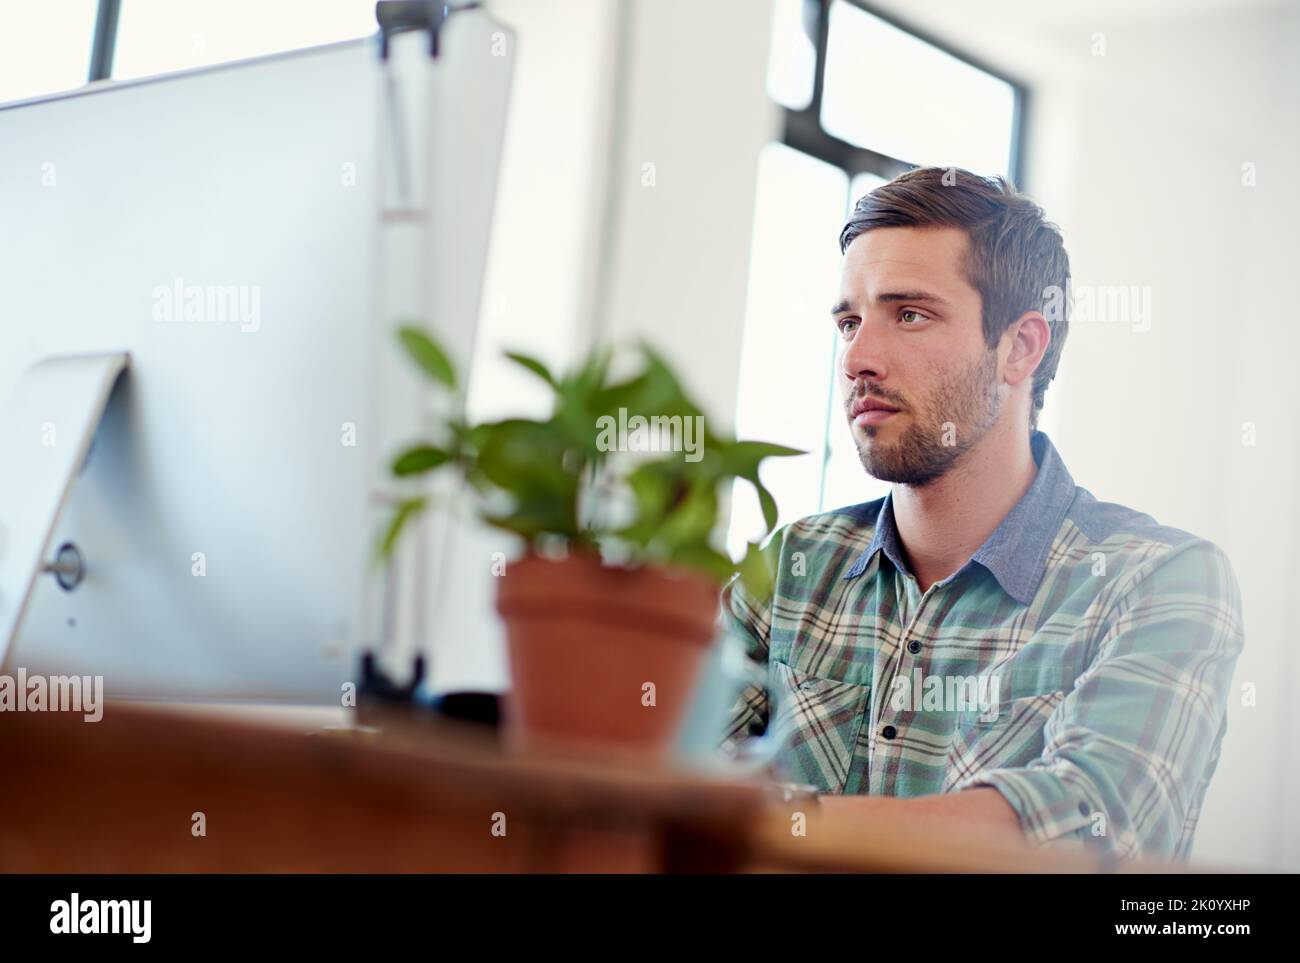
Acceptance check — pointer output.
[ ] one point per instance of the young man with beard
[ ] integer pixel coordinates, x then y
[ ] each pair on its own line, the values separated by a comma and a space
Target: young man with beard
988, 646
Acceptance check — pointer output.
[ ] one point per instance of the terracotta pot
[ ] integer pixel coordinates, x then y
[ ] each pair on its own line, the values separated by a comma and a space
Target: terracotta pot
583, 641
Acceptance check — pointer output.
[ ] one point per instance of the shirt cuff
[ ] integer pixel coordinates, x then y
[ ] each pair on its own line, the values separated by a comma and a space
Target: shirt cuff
1050, 806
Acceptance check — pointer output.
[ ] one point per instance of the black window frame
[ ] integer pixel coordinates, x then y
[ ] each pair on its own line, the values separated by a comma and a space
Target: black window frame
105, 40
802, 129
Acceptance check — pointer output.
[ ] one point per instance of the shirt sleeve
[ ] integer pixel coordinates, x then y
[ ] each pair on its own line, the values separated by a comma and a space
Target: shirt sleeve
1130, 750
750, 620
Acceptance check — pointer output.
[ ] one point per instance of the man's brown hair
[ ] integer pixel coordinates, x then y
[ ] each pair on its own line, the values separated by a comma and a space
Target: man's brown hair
1016, 259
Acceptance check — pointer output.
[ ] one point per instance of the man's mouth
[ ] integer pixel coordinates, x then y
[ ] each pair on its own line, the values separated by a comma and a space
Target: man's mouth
870, 411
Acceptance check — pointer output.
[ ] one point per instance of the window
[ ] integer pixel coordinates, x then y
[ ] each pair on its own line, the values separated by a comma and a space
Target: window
891, 91
45, 47
155, 36
59, 45
864, 101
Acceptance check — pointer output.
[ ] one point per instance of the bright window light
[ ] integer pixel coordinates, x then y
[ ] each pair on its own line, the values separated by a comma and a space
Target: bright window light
45, 47
157, 36
786, 352
896, 94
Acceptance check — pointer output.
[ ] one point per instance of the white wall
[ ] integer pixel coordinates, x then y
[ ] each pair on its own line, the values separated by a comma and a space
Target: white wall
543, 265
692, 105
1156, 419
1219, 354
1138, 155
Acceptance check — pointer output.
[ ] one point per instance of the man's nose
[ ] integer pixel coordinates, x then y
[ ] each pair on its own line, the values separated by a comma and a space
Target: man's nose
861, 359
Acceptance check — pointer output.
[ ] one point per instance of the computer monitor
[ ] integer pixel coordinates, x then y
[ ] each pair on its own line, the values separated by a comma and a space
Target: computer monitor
251, 234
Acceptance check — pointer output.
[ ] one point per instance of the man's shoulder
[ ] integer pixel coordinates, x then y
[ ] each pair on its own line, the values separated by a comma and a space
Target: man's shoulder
1100, 522
828, 543
1133, 545
852, 525
1112, 527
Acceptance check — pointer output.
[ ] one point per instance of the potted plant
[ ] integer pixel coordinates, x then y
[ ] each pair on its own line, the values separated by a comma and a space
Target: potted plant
612, 605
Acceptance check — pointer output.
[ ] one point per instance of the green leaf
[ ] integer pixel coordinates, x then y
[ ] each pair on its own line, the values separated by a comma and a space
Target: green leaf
426, 353
419, 459
528, 460
703, 558
469, 439
526, 456
577, 402
652, 489
532, 519
535, 366
660, 370
691, 520
766, 502
742, 458
406, 510
591, 377
756, 573
649, 393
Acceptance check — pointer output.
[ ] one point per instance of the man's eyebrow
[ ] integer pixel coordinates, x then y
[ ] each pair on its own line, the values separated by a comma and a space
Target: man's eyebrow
891, 297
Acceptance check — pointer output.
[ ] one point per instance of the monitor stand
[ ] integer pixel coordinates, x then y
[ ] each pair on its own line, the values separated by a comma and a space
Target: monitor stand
46, 428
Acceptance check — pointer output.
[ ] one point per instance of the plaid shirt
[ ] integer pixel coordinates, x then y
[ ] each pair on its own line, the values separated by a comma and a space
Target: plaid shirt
1079, 664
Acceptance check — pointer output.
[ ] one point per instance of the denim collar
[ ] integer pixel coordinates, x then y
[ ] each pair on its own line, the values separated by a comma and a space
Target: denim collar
1016, 552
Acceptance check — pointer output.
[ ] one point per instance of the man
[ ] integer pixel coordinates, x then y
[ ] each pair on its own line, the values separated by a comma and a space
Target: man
988, 646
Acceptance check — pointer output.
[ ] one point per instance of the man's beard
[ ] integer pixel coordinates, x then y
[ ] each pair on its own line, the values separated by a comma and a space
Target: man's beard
959, 413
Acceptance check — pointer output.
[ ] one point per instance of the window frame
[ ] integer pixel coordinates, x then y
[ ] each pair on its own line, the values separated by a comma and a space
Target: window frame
802, 129
105, 40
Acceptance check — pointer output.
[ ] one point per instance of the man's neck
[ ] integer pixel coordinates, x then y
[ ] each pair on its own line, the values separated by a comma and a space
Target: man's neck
942, 524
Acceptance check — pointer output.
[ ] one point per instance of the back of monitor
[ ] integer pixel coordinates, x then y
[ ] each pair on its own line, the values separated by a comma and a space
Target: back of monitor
233, 230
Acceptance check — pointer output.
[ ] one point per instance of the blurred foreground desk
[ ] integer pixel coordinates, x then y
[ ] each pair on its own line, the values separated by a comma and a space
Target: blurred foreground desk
121, 795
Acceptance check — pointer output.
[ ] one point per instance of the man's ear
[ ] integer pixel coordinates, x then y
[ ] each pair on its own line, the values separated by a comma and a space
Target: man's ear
1025, 341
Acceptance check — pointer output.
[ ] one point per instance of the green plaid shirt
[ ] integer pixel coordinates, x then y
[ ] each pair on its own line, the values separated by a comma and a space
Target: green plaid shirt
1079, 663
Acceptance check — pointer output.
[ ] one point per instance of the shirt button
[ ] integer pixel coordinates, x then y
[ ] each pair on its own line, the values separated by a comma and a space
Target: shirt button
914, 647
889, 732
1084, 809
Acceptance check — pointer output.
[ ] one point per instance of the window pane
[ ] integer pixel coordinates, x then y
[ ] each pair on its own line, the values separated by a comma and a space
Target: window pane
894, 93
793, 58
155, 36
787, 343
45, 47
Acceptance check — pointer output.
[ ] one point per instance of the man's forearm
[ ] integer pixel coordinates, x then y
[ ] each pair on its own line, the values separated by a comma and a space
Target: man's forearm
981, 813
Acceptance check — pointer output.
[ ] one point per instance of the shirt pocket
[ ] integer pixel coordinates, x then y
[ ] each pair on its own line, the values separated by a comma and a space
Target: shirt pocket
1012, 738
817, 721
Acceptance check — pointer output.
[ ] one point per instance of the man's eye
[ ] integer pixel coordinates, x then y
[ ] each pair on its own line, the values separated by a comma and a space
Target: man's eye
911, 317
848, 326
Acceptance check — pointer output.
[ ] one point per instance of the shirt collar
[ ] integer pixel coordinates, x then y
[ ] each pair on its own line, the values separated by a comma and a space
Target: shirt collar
1016, 552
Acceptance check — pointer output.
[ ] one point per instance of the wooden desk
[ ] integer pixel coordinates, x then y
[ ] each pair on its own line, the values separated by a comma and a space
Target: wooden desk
119, 796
